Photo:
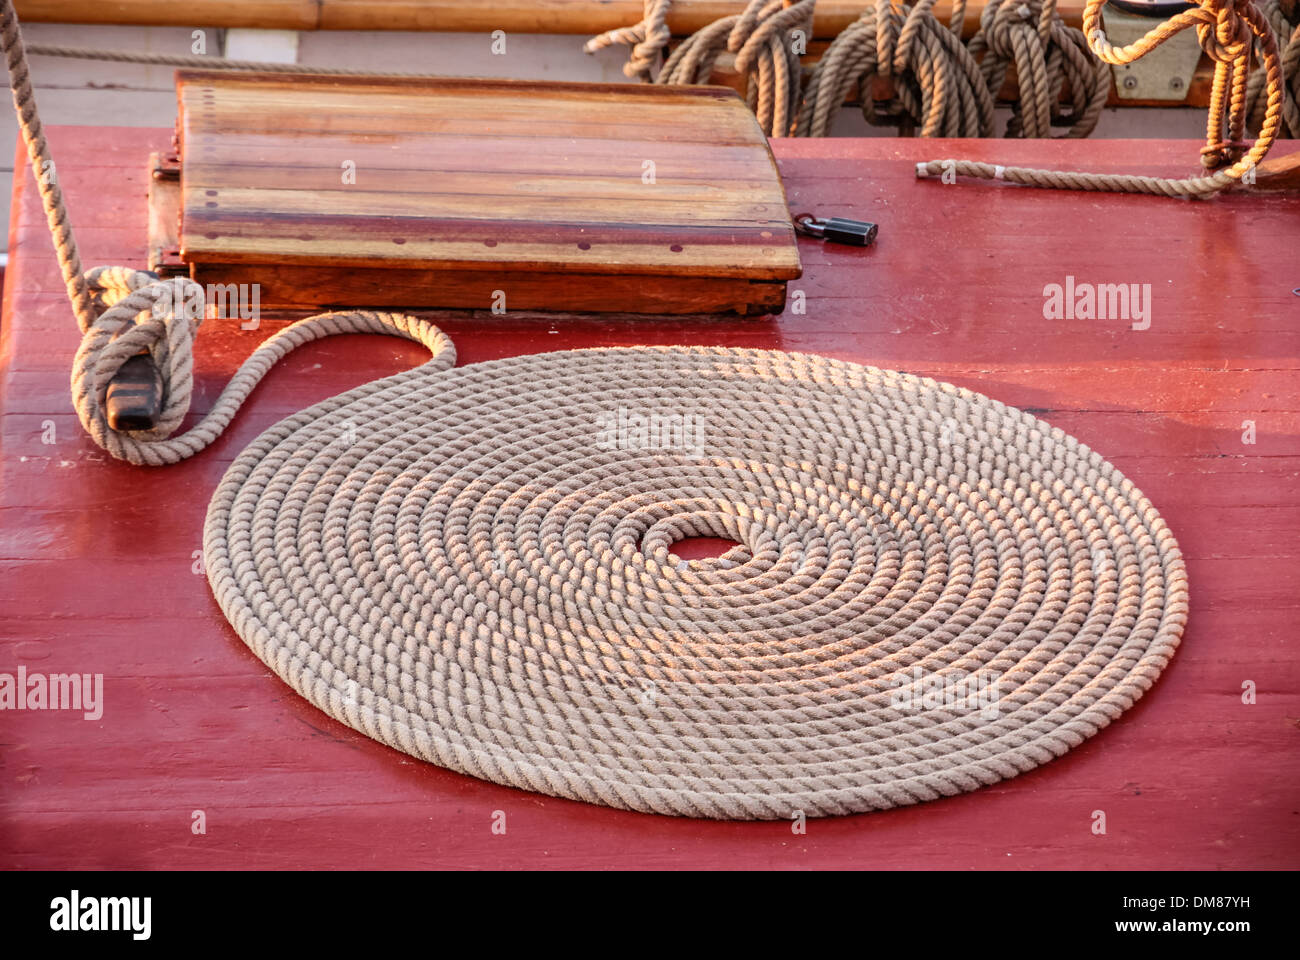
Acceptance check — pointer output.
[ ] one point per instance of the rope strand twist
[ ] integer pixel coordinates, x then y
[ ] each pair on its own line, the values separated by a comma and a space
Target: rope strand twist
937, 85
760, 38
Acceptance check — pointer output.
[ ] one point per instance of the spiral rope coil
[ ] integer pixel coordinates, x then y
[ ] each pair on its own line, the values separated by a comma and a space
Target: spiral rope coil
468, 565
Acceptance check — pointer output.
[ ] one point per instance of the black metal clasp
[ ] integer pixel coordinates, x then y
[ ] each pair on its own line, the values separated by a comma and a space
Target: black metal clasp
854, 233
135, 394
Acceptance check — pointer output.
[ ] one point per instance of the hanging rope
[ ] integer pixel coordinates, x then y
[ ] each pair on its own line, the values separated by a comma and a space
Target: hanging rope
760, 39
1284, 18
1225, 29
647, 40
937, 85
1047, 54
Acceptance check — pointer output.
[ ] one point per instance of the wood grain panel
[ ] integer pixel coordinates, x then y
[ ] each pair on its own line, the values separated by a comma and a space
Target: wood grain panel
511, 179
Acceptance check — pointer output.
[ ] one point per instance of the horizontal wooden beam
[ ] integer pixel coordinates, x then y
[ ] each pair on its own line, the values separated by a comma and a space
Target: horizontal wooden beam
266, 14
522, 16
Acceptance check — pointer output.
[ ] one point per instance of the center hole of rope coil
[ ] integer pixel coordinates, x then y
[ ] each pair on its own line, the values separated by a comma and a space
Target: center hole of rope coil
702, 548
692, 536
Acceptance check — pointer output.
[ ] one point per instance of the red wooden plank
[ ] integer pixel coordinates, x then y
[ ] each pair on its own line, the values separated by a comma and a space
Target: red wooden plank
1192, 777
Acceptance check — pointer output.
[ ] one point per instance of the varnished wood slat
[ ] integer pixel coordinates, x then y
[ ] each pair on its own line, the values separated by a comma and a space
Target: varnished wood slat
506, 179
266, 14
463, 289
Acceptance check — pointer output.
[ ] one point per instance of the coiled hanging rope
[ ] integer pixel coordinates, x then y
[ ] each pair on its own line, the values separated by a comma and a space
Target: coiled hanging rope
760, 39
937, 84
1047, 54
931, 592
1284, 18
1228, 30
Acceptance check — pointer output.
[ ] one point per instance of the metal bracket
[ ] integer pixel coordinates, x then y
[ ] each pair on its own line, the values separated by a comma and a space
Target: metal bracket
164, 216
1163, 74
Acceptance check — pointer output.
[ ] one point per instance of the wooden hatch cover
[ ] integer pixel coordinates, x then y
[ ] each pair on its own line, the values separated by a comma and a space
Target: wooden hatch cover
349, 191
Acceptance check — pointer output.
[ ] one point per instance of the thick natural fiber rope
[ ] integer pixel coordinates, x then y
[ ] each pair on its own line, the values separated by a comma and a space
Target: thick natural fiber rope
453, 562
939, 86
760, 39
647, 40
937, 83
1284, 18
121, 311
1046, 53
1228, 30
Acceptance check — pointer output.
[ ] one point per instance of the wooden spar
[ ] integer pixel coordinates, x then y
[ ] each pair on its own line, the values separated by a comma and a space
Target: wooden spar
521, 16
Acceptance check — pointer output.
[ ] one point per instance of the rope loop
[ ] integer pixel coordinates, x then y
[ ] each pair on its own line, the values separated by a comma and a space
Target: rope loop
936, 83
162, 317
154, 316
1048, 56
1283, 17
760, 39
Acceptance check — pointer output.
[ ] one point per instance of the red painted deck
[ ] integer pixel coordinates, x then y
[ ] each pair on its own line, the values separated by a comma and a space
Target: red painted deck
96, 557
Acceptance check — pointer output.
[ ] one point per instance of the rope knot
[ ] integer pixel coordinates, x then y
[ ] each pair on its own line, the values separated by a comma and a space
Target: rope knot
647, 40
762, 29
144, 315
1229, 37
762, 40
1007, 28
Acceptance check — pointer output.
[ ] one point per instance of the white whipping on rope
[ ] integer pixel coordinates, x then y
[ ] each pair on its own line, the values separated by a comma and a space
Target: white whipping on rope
932, 591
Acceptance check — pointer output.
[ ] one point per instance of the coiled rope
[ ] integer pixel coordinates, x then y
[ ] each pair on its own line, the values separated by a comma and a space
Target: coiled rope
1228, 31
760, 39
939, 85
1047, 54
936, 82
1284, 18
932, 591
